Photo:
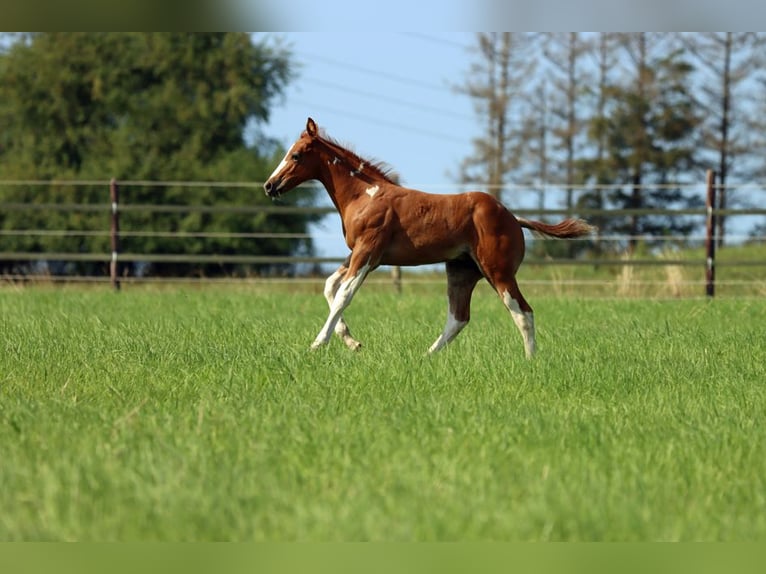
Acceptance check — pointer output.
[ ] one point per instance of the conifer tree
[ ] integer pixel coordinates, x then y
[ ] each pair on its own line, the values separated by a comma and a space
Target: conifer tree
648, 127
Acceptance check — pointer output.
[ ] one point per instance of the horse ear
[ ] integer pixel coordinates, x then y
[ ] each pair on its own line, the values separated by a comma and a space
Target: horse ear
311, 128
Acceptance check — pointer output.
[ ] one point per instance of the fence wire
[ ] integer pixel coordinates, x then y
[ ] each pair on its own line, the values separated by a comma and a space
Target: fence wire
661, 258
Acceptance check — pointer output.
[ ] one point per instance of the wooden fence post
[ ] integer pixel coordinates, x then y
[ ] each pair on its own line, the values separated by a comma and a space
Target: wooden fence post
396, 275
114, 234
710, 239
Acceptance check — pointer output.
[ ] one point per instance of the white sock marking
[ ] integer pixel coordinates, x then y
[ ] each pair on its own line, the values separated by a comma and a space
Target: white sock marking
343, 297
341, 328
331, 286
525, 321
451, 329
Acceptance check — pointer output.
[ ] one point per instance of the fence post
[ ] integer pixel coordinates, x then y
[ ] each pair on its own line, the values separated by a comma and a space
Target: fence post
396, 275
114, 234
710, 238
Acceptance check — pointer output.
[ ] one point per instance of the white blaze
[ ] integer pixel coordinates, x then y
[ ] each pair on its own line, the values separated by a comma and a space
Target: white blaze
371, 191
282, 163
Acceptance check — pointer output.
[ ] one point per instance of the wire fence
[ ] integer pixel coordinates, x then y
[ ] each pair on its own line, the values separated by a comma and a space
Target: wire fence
686, 270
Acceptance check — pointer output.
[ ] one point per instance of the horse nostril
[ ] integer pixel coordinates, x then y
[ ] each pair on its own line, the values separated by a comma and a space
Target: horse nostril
267, 186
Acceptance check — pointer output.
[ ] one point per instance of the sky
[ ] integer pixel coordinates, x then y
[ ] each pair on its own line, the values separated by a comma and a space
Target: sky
389, 96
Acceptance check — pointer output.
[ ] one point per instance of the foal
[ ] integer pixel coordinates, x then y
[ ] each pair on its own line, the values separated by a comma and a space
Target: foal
386, 224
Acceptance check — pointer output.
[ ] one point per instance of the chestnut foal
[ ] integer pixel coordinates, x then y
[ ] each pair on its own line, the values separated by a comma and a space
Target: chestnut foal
386, 224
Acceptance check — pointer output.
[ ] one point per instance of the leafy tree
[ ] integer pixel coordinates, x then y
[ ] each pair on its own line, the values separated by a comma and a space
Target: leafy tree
649, 128
142, 106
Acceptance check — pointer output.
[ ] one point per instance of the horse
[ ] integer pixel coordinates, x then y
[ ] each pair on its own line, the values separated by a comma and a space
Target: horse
386, 224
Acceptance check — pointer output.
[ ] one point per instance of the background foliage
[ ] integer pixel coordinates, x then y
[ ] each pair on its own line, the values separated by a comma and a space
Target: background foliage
644, 113
141, 106
640, 112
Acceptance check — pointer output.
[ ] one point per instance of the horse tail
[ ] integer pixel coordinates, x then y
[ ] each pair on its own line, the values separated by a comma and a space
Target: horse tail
567, 229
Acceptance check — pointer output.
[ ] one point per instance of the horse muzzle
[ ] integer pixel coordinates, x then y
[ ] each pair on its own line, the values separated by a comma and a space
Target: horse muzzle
271, 188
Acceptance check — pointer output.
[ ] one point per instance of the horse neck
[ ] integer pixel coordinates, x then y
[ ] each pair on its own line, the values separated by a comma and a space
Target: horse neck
343, 183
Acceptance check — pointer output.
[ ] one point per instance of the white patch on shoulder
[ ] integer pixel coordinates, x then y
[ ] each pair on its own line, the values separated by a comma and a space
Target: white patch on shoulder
371, 191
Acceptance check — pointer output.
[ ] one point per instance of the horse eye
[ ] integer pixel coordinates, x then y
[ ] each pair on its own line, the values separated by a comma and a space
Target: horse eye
296, 156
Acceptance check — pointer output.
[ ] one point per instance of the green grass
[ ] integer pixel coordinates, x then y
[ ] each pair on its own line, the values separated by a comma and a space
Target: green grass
186, 414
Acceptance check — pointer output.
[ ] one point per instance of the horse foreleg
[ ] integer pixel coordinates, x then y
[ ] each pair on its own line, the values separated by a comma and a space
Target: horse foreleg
349, 285
330, 289
462, 276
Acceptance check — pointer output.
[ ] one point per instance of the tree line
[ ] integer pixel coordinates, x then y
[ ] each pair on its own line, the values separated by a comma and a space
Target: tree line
141, 106
643, 112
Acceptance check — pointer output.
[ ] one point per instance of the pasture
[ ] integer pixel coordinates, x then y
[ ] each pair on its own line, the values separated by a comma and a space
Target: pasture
186, 414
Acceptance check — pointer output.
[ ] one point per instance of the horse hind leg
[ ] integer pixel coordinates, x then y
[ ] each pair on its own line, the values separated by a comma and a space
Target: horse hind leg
462, 276
521, 312
341, 327
500, 271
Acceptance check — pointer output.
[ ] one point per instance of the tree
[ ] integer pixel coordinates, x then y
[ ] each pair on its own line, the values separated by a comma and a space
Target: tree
596, 168
141, 106
566, 74
536, 133
727, 61
649, 125
495, 83
564, 53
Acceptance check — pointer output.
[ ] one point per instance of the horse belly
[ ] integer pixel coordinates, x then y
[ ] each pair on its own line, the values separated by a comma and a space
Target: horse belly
429, 229
408, 255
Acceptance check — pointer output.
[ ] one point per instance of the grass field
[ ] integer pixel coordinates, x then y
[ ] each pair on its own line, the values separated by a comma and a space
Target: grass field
185, 414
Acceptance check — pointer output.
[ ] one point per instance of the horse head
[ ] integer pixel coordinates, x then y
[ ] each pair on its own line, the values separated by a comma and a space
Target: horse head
301, 163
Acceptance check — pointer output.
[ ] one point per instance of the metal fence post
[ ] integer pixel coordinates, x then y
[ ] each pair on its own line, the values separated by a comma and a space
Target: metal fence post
710, 238
114, 234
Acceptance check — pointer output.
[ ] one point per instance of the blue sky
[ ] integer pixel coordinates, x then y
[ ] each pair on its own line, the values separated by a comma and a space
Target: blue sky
391, 97
388, 95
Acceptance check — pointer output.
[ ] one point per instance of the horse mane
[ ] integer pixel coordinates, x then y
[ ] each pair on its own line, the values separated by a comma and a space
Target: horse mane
371, 167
